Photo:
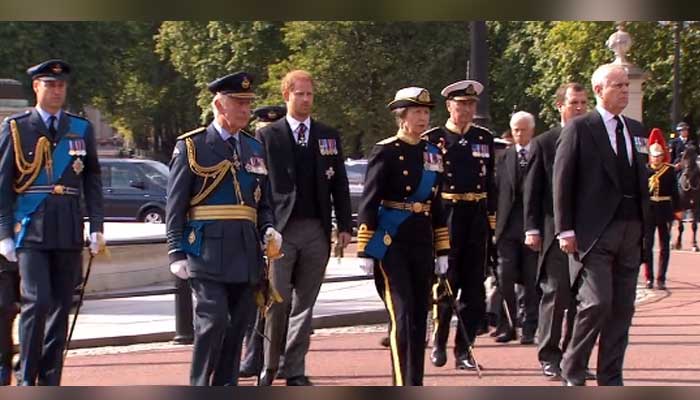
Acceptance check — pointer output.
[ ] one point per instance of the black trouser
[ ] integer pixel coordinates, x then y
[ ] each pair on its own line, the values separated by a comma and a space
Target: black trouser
467, 259
221, 313
606, 290
407, 271
664, 245
48, 280
9, 299
518, 263
557, 300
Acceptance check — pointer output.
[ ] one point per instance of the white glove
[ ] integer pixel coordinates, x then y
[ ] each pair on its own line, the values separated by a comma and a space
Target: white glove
367, 265
179, 269
441, 265
7, 249
272, 235
97, 242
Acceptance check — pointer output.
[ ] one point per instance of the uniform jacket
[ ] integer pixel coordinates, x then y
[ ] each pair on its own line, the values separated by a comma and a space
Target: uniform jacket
58, 221
587, 188
331, 178
677, 146
230, 249
663, 183
394, 170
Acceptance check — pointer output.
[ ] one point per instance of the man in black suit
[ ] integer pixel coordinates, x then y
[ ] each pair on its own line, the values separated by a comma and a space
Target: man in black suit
307, 172
516, 261
218, 213
553, 264
48, 159
600, 204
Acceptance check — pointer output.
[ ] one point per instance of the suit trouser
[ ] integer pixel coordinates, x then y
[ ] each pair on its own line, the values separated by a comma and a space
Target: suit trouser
516, 262
297, 277
221, 312
9, 298
48, 280
407, 271
467, 260
606, 290
557, 301
664, 245
253, 341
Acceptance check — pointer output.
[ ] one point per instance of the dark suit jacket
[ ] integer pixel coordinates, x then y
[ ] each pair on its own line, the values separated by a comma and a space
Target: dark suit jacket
587, 188
506, 181
58, 221
538, 196
331, 178
230, 249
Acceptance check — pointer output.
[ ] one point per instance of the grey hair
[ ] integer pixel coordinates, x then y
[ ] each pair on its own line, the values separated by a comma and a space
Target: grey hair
399, 115
522, 115
217, 97
600, 75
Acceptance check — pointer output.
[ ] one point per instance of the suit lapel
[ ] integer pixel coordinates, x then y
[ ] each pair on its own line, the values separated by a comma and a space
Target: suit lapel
600, 137
512, 166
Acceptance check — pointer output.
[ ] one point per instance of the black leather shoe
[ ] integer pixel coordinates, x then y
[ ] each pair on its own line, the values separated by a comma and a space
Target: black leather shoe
498, 331
465, 361
385, 341
661, 285
527, 338
267, 377
551, 371
438, 356
566, 382
590, 375
506, 336
301, 380
246, 373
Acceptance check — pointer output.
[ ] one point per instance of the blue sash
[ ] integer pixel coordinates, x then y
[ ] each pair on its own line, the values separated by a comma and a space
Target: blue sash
27, 203
389, 219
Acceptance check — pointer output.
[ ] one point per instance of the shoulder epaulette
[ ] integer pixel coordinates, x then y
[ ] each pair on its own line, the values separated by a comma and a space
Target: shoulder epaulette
429, 131
75, 115
250, 136
191, 133
18, 116
484, 128
388, 140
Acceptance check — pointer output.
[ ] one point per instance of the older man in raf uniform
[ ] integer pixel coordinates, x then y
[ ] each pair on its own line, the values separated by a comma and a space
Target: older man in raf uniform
468, 196
217, 213
47, 158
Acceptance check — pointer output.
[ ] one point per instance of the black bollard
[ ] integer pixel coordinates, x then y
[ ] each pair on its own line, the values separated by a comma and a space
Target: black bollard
184, 331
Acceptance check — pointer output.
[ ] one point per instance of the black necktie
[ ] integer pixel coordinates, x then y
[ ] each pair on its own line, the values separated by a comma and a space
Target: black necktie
301, 135
620, 139
234, 145
52, 127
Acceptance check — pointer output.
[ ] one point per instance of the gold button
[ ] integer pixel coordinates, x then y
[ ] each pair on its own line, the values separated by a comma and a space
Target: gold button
396, 144
447, 162
481, 162
427, 214
452, 187
401, 158
454, 200
428, 201
449, 174
478, 186
481, 137
408, 188
481, 174
405, 172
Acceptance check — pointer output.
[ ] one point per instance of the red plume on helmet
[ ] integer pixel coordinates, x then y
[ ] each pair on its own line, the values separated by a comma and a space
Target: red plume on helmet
657, 136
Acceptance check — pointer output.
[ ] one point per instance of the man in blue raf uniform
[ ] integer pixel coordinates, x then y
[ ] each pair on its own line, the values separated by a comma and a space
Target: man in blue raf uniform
468, 195
218, 210
47, 157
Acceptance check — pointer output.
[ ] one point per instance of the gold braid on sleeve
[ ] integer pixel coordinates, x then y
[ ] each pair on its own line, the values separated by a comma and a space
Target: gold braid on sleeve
216, 173
29, 171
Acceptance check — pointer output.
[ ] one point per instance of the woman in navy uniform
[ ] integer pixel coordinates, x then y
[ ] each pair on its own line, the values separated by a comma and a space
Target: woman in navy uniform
218, 211
402, 229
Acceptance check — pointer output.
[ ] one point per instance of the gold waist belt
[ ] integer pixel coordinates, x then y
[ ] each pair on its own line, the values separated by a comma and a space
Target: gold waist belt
412, 207
660, 198
224, 212
464, 196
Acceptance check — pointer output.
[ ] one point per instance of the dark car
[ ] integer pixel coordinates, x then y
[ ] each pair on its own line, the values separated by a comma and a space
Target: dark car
134, 189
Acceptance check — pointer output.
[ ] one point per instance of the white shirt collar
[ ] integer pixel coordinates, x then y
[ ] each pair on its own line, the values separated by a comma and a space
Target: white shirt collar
607, 115
294, 124
45, 115
223, 132
527, 148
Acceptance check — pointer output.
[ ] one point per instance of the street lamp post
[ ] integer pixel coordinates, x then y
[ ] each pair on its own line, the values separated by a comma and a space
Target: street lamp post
479, 69
675, 102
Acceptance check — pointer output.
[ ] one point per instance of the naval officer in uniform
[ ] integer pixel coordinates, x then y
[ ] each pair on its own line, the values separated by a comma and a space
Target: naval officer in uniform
218, 212
48, 158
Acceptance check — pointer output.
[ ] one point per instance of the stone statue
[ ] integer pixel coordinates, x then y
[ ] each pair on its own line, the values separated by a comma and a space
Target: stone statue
620, 43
